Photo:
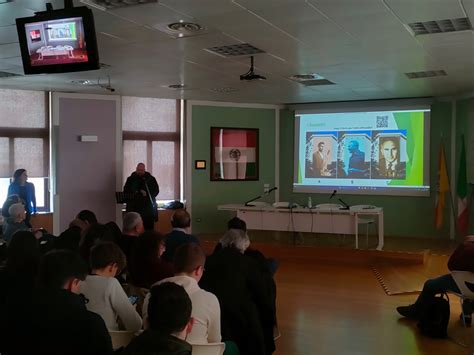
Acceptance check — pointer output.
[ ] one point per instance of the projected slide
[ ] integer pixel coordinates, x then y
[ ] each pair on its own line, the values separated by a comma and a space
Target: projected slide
362, 152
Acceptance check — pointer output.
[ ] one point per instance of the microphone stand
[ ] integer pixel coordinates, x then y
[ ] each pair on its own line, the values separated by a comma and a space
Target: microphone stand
346, 206
259, 197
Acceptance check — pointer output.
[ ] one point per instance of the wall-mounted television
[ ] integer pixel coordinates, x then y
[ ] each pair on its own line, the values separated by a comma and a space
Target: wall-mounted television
58, 41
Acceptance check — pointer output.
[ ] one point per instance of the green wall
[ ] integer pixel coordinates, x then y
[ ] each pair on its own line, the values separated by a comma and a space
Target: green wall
403, 216
206, 194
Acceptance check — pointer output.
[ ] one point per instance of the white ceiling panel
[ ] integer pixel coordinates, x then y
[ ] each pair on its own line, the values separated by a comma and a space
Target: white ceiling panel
8, 34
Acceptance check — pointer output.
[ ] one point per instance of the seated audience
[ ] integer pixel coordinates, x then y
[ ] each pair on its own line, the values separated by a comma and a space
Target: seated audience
94, 234
247, 308
11, 200
237, 223
16, 221
18, 273
462, 259
113, 230
132, 228
169, 322
88, 217
71, 237
181, 221
54, 319
147, 266
189, 261
106, 296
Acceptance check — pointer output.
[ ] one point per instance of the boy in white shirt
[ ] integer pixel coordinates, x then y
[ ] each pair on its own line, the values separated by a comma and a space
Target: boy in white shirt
189, 260
105, 295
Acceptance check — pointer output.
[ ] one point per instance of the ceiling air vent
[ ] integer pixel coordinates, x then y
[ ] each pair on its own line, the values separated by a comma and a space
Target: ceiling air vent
176, 86
224, 90
425, 74
4, 74
440, 26
311, 79
235, 50
115, 4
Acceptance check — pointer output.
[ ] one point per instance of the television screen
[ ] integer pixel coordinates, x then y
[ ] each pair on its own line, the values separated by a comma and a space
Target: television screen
58, 41
364, 151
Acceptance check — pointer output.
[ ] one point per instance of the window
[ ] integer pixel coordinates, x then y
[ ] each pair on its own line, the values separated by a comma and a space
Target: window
151, 134
24, 141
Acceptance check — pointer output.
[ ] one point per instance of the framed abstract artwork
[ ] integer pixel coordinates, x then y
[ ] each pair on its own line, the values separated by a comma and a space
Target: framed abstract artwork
234, 154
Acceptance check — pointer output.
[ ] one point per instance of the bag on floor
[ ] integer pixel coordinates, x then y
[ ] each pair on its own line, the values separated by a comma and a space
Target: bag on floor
435, 318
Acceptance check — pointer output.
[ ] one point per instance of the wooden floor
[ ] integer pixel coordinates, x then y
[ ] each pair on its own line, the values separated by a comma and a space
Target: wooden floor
340, 308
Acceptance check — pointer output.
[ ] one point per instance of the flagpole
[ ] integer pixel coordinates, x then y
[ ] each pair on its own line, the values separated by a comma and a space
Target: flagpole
453, 219
451, 199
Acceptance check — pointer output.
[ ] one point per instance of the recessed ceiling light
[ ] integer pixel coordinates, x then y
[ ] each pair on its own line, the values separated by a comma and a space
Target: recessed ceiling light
85, 82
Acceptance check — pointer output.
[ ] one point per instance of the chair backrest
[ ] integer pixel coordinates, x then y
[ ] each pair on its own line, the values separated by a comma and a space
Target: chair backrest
461, 278
208, 349
121, 338
329, 206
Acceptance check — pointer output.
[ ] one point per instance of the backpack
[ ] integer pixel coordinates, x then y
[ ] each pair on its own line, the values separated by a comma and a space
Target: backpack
435, 318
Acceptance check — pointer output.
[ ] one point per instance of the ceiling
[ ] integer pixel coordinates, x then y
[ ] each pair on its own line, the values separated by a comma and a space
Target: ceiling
363, 46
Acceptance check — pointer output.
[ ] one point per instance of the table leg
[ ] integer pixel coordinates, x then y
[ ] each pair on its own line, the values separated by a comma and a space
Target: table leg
380, 231
356, 221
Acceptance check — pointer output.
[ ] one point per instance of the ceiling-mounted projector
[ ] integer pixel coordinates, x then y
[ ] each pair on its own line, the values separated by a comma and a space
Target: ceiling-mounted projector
250, 75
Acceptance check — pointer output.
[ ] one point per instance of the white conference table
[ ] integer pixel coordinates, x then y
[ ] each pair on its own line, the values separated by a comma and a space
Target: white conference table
314, 220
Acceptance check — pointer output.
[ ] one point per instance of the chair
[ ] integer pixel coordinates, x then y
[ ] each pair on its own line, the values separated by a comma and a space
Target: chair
208, 349
462, 279
121, 338
364, 220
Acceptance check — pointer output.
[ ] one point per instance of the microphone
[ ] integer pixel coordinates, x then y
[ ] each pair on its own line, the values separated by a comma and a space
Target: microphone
333, 194
272, 189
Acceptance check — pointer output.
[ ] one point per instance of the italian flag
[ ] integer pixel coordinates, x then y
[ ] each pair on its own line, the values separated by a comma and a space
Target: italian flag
235, 154
463, 213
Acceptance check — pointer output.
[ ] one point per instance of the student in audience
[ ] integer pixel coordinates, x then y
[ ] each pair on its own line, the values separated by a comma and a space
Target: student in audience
247, 308
270, 263
88, 217
16, 221
106, 296
147, 266
12, 199
181, 221
462, 259
113, 230
18, 273
189, 260
169, 322
71, 237
25, 190
94, 234
54, 319
132, 228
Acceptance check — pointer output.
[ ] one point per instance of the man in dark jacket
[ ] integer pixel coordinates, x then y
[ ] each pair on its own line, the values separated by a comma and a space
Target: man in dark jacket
247, 304
169, 322
54, 319
462, 259
144, 188
181, 221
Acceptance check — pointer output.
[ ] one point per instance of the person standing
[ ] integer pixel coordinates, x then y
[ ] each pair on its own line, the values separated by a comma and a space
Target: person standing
25, 190
144, 188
